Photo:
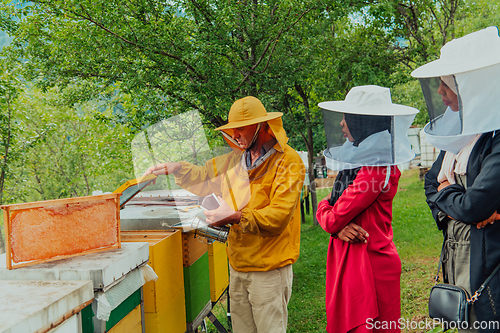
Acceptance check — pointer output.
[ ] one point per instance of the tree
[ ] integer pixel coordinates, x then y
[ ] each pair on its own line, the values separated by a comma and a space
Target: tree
168, 55
151, 59
9, 128
476, 15
69, 152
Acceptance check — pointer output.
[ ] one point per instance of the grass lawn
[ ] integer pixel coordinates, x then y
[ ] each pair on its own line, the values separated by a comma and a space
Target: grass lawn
418, 242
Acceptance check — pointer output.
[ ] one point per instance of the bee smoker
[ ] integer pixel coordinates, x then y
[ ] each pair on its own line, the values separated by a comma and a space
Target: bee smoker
203, 229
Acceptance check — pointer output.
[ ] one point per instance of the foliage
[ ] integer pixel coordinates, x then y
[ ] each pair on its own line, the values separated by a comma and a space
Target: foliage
169, 55
423, 25
143, 61
66, 152
478, 14
410, 93
10, 129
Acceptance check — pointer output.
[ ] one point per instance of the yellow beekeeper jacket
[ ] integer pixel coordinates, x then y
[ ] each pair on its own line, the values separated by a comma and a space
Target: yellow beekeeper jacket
268, 235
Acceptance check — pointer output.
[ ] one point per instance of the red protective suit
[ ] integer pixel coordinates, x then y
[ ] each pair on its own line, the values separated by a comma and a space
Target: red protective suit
363, 280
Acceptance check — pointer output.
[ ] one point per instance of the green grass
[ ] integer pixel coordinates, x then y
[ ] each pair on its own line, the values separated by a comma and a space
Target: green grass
418, 242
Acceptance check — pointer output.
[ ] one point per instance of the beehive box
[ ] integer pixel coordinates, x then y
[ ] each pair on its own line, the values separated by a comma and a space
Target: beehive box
113, 271
42, 231
164, 301
121, 312
121, 319
219, 270
40, 306
130, 324
168, 321
197, 290
196, 279
192, 248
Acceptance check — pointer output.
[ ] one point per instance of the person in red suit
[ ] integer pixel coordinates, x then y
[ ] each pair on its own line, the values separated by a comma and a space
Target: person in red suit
363, 265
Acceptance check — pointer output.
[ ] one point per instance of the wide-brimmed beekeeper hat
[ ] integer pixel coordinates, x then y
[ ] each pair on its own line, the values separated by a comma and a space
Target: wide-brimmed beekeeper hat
248, 111
476, 50
368, 100
379, 129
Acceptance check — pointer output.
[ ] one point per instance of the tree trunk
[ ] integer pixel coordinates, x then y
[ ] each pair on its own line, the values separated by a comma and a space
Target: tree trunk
310, 150
312, 180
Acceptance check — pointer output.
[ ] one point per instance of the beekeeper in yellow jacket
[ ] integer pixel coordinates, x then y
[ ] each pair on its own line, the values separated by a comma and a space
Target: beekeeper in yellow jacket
264, 214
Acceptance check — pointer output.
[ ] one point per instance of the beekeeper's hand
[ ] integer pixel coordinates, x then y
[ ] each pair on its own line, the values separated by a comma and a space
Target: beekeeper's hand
222, 215
353, 233
163, 169
443, 185
495, 216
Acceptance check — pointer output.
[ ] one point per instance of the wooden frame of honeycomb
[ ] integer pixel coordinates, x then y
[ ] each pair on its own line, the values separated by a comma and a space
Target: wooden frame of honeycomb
43, 231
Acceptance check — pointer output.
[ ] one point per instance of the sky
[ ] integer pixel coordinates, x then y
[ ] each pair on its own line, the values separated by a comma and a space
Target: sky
4, 39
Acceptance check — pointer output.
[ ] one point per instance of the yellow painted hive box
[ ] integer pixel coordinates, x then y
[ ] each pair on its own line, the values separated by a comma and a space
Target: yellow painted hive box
132, 323
218, 266
168, 320
164, 301
42, 231
192, 248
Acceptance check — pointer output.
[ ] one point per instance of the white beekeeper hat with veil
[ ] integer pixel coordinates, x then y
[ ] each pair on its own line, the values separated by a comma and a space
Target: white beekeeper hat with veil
470, 67
379, 129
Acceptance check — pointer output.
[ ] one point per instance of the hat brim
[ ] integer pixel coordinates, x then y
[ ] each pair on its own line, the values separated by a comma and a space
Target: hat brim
374, 110
243, 123
440, 67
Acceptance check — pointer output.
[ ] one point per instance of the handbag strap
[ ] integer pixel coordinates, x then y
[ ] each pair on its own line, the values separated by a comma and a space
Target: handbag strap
478, 292
436, 279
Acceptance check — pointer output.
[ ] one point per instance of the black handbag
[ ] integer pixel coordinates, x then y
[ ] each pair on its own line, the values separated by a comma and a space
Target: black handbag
450, 303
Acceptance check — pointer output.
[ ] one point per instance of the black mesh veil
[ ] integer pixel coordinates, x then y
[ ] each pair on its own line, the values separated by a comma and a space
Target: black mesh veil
435, 106
333, 129
362, 126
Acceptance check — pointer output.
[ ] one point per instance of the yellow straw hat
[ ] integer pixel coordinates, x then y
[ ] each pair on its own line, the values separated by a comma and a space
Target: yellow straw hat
248, 111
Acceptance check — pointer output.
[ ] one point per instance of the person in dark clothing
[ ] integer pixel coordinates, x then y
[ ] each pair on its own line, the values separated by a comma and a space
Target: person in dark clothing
463, 185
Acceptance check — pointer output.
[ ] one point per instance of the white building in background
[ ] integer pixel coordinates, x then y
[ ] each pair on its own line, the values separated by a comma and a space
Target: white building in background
425, 153
304, 156
414, 137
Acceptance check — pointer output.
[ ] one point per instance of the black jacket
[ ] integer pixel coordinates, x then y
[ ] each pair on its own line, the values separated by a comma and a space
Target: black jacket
478, 203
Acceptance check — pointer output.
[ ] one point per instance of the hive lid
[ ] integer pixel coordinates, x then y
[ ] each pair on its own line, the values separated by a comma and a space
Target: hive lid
130, 188
29, 306
105, 269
